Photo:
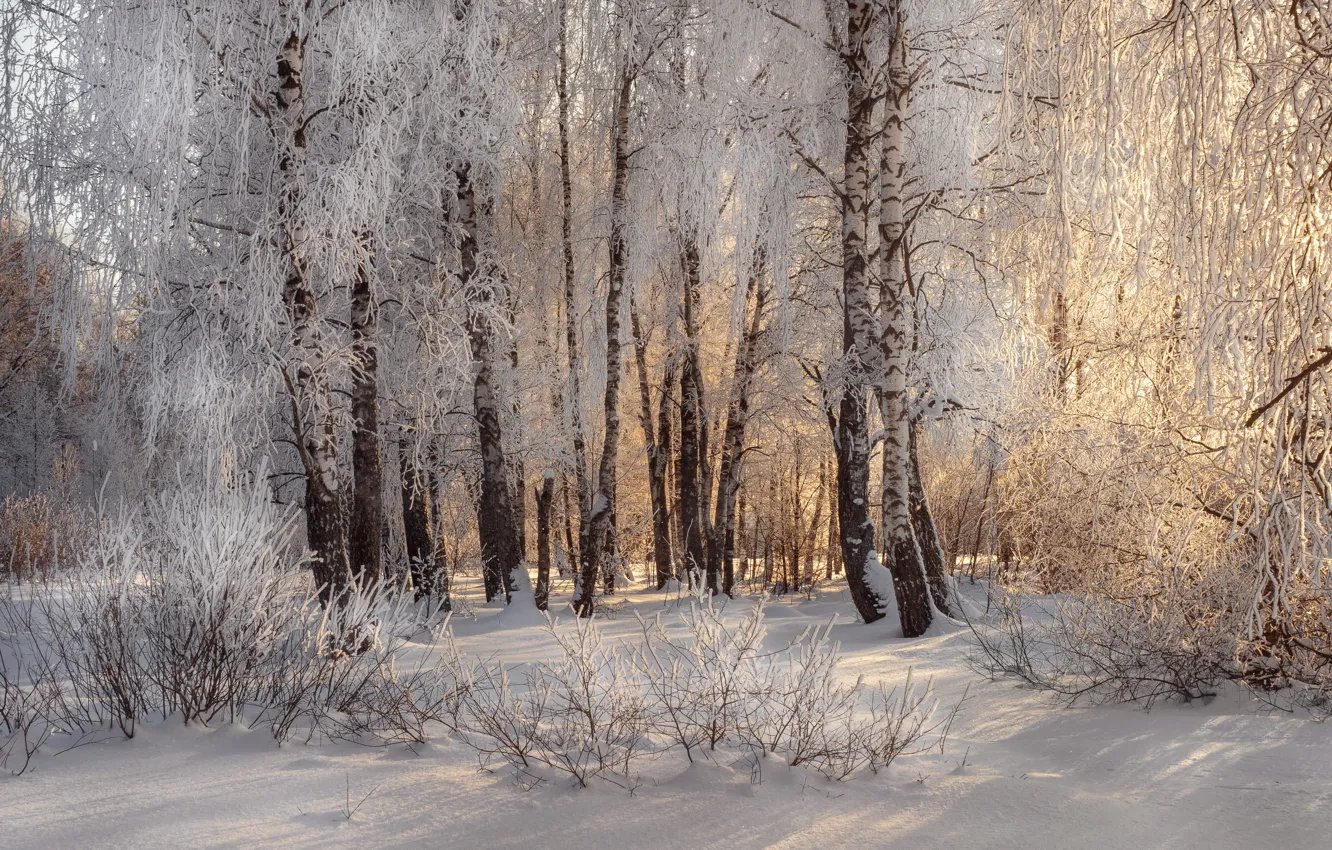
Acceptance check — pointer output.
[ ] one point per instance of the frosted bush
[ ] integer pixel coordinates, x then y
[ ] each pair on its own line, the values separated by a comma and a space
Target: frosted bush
717, 688
196, 607
712, 692
584, 715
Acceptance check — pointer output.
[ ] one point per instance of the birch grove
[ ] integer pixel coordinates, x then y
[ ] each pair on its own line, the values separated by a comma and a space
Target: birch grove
1027, 293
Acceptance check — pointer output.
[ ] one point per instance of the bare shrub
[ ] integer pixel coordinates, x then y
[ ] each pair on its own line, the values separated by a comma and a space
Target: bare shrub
698, 685
1096, 650
23, 725
716, 688
316, 687
583, 715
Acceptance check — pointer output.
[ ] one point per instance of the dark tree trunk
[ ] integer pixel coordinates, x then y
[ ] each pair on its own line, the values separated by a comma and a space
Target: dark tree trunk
706, 438
517, 473
582, 478
611, 563
661, 529
307, 382
495, 518
851, 423
740, 537
815, 523
1059, 344
851, 443
427, 579
365, 541
691, 424
927, 535
833, 536
767, 557
721, 541
545, 496
326, 531
668, 417
599, 549
796, 531
570, 548
775, 510
665, 448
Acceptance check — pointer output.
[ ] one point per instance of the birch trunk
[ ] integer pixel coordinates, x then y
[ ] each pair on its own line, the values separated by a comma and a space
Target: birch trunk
495, 518
721, 548
581, 478
661, 529
307, 378
851, 425
691, 424
365, 540
601, 519
544, 500
900, 551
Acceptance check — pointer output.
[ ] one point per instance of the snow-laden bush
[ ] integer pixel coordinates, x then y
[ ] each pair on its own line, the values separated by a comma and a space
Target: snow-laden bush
197, 607
716, 688
712, 692
584, 715
1177, 643
1134, 573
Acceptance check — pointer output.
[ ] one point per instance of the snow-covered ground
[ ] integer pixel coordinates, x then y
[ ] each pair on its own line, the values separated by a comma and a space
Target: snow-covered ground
1018, 772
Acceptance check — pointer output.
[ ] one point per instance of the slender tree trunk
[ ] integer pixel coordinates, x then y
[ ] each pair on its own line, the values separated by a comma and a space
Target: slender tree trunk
814, 524
582, 479
721, 542
612, 562
365, 541
517, 473
767, 555
901, 552
666, 414
306, 378
1059, 343
927, 535
851, 424
570, 549
769, 527
427, 579
797, 526
668, 421
707, 434
832, 568
657, 458
741, 537
601, 521
691, 424
495, 518
545, 496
